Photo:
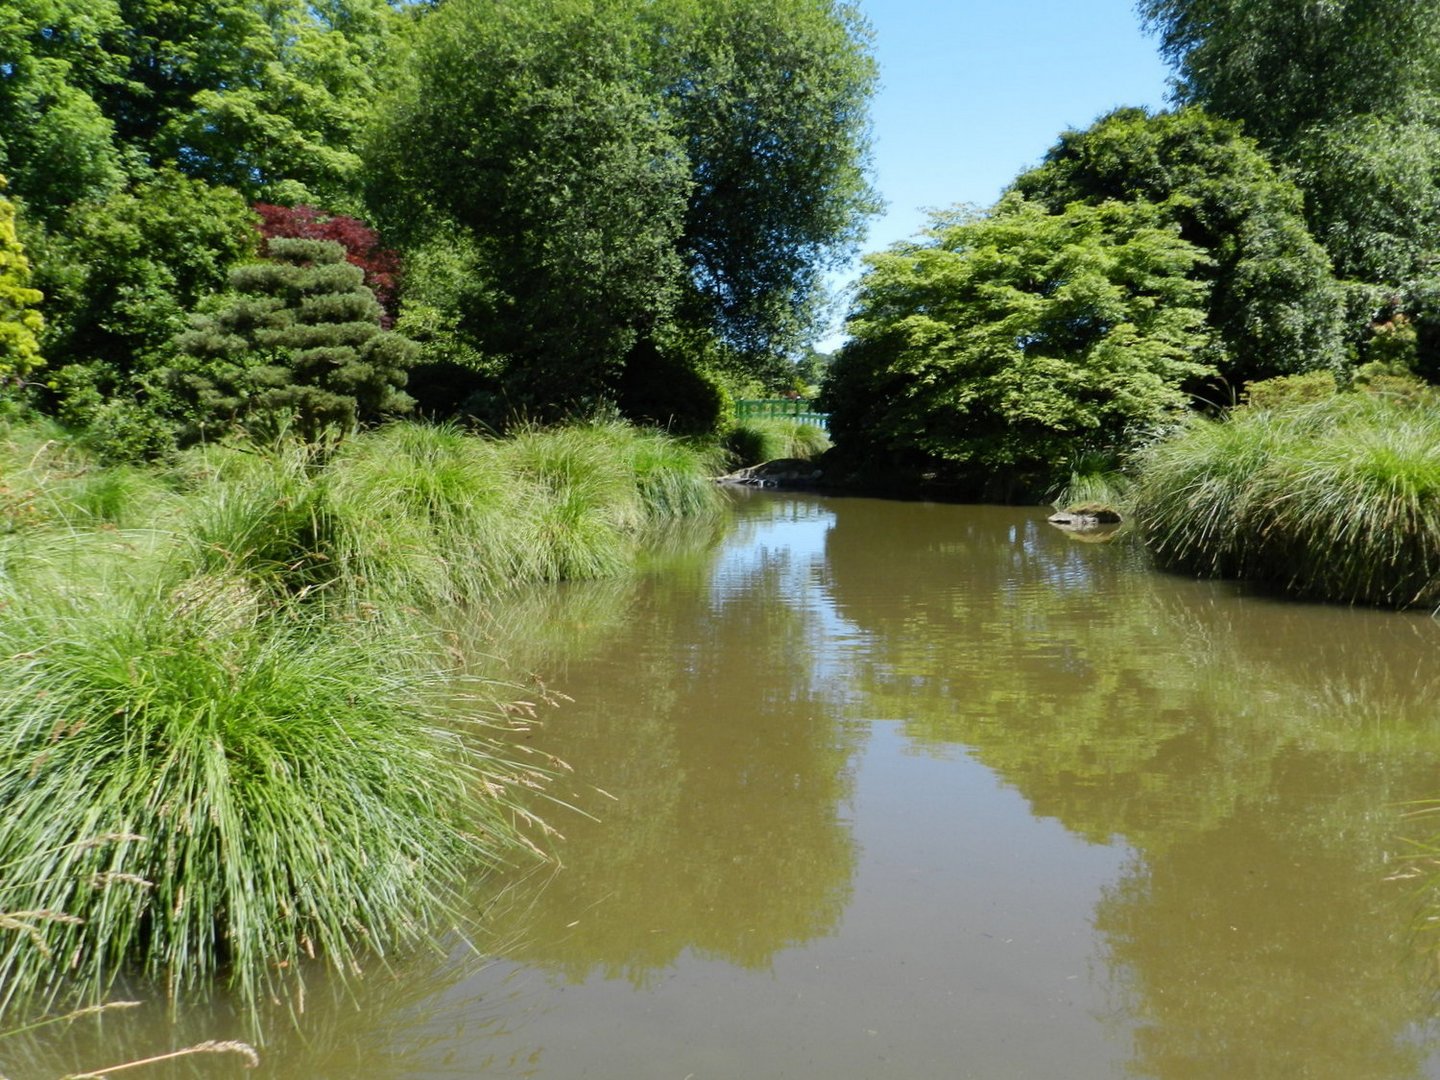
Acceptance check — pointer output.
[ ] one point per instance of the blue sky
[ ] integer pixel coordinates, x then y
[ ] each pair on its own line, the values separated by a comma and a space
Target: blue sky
972, 92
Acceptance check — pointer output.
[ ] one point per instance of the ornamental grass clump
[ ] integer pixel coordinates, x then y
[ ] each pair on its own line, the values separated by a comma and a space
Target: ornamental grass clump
203, 788
754, 442
1335, 500
431, 516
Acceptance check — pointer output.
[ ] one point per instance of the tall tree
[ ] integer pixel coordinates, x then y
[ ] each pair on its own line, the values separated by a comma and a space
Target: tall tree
1284, 66
770, 98
628, 173
265, 97
525, 123
1346, 93
1274, 304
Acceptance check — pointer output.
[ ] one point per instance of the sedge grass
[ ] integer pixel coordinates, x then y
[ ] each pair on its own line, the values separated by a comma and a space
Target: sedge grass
754, 442
271, 790
1335, 500
235, 700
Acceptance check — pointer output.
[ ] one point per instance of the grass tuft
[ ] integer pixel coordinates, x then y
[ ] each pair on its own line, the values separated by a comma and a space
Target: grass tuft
1335, 500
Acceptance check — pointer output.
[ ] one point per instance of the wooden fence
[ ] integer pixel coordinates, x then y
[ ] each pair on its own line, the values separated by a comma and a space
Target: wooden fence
780, 409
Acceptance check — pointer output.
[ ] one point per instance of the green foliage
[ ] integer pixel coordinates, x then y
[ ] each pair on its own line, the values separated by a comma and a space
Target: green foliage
656, 168
1335, 500
1372, 185
301, 338
227, 750
204, 792
570, 183
1274, 305
1344, 93
1286, 391
753, 442
119, 276
1291, 65
659, 387
999, 346
20, 321
769, 99
268, 98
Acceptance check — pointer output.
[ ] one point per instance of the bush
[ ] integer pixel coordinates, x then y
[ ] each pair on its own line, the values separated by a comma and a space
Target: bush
1336, 500
301, 339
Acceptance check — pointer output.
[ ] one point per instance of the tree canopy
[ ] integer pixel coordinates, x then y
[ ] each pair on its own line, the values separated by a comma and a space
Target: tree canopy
20, 321
1274, 304
627, 172
267, 98
1000, 346
1345, 92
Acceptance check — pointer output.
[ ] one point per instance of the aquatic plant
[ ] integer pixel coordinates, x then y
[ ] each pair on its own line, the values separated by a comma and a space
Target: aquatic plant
1336, 500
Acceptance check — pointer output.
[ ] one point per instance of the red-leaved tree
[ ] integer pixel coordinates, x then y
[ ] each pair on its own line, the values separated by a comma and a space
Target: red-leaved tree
361, 243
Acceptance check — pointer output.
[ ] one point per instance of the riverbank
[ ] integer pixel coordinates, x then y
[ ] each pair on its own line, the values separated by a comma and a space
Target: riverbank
234, 740
1336, 499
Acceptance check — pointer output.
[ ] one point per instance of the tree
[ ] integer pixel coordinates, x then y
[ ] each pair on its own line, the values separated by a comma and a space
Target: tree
1274, 304
20, 321
629, 176
267, 98
301, 338
1346, 92
770, 98
525, 124
999, 346
121, 273
380, 264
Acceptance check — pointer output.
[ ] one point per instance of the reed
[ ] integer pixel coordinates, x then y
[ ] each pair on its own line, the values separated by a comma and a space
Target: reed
226, 743
1335, 500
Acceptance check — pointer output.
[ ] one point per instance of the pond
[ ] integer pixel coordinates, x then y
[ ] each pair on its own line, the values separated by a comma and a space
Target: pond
879, 789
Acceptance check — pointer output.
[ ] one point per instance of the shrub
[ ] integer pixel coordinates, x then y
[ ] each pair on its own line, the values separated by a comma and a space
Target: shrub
302, 339
752, 442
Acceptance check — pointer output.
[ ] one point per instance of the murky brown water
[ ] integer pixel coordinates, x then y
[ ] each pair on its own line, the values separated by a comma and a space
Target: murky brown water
904, 790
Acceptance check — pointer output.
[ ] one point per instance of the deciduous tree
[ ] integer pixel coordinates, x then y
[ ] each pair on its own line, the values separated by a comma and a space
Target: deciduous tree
1274, 304
20, 321
999, 346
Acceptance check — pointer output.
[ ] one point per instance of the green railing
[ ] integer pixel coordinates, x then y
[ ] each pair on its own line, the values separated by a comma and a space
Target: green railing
780, 409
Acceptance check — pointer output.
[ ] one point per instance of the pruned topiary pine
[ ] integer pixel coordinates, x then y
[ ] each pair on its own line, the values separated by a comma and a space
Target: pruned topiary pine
300, 339
20, 321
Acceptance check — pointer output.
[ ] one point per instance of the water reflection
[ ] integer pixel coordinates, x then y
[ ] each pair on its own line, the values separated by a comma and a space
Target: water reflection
1250, 752
724, 836
892, 789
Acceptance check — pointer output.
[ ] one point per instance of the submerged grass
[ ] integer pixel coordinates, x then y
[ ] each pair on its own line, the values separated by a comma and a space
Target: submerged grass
1335, 500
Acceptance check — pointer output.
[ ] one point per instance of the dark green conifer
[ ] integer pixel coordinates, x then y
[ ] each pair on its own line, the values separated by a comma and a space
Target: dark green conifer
300, 338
